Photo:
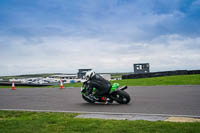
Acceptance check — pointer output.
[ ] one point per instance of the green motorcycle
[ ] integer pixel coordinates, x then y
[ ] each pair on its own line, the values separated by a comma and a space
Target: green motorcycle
115, 94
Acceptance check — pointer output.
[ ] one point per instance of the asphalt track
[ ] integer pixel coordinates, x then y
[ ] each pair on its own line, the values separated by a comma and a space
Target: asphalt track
173, 100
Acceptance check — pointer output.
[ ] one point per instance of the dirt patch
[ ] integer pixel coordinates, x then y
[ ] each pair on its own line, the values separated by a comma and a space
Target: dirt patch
182, 119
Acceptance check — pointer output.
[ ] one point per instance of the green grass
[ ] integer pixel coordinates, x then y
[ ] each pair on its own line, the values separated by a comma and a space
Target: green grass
166, 80
35, 122
71, 85
22, 86
56, 86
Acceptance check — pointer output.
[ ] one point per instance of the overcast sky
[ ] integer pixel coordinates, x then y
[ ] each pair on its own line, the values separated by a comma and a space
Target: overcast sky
47, 36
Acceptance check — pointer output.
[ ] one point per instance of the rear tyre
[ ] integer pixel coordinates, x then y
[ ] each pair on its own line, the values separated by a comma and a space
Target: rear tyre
122, 97
87, 99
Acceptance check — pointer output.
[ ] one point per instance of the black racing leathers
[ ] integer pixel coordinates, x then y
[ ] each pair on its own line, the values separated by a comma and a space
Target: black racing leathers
102, 85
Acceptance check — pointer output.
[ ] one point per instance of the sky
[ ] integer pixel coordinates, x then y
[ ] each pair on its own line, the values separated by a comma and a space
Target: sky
50, 36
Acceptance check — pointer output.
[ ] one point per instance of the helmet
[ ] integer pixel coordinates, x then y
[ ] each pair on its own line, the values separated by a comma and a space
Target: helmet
89, 75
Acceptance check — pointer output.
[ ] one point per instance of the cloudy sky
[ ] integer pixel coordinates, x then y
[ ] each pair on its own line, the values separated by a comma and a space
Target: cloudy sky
46, 36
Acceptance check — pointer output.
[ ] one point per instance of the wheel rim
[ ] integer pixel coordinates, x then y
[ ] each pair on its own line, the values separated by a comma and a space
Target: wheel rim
121, 98
124, 99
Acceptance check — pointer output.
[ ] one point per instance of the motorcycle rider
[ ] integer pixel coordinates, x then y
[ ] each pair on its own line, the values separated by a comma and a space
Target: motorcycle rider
96, 81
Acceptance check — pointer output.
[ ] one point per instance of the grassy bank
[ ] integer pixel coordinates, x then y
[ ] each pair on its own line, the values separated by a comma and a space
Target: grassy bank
166, 80
56, 86
29, 122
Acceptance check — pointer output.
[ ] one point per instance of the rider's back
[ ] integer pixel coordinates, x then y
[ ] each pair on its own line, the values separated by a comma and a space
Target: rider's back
100, 81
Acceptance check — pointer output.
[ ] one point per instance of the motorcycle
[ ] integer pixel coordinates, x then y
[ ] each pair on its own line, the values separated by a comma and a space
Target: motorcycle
115, 94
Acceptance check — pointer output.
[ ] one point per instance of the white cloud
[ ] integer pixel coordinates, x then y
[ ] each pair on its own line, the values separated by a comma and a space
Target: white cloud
61, 54
109, 36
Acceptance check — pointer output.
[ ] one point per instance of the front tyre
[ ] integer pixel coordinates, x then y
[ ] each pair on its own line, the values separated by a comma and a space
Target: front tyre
87, 99
122, 97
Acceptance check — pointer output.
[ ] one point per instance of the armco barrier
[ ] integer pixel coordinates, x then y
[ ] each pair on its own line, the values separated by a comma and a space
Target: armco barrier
159, 74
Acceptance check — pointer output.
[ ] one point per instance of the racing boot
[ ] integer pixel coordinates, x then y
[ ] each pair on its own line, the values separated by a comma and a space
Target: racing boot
108, 100
92, 97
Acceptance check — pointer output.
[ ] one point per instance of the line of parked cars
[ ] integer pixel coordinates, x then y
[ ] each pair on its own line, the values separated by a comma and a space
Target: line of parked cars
47, 80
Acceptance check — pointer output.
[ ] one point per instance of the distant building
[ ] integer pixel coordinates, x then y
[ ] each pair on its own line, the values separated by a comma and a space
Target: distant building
82, 72
141, 68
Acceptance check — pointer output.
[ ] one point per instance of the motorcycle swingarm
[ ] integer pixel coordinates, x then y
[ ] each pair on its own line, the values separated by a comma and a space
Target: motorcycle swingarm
123, 88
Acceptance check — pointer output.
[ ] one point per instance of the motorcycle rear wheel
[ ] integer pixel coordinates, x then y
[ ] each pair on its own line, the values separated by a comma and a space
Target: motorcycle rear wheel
122, 97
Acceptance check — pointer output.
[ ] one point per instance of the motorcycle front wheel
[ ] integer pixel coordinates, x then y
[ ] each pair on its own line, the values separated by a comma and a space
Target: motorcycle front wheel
87, 99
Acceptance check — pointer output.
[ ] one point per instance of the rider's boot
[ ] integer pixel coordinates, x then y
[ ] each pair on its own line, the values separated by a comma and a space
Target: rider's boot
108, 100
93, 97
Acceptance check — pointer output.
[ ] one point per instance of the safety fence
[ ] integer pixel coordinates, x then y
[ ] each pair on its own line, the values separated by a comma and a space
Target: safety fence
159, 74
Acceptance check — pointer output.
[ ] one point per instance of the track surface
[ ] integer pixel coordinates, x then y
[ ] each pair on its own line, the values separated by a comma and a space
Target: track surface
173, 100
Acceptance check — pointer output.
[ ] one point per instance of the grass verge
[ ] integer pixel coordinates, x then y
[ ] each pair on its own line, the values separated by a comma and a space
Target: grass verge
42, 122
166, 80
